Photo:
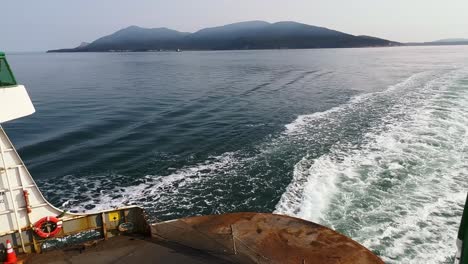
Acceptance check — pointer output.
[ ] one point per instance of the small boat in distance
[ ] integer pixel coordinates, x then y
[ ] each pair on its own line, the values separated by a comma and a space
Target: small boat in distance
42, 233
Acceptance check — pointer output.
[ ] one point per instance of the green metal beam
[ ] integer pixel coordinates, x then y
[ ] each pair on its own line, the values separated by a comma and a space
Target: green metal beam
8, 69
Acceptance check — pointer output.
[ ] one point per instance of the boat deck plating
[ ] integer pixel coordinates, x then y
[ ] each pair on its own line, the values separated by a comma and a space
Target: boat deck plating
123, 250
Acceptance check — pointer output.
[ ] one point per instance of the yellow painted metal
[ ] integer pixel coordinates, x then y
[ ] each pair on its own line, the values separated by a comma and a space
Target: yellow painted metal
114, 216
81, 228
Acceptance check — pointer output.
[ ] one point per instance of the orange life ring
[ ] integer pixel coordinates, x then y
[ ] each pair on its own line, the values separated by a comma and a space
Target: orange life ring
48, 226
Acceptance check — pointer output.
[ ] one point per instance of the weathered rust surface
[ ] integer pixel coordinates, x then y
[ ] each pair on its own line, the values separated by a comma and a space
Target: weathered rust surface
264, 238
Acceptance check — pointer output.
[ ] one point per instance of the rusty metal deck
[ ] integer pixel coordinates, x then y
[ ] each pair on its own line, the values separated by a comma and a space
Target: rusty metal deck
258, 238
264, 238
124, 250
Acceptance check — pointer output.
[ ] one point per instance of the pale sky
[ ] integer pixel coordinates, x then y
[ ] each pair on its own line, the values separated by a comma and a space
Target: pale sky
33, 25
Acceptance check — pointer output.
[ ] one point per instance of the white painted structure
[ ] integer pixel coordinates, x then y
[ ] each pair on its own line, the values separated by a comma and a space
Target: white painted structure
14, 103
15, 180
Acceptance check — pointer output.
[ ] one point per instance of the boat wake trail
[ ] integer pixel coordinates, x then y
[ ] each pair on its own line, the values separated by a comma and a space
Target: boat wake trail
400, 189
156, 193
388, 169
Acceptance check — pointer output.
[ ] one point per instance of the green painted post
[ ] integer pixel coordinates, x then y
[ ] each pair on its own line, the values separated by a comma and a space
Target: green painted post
462, 241
8, 69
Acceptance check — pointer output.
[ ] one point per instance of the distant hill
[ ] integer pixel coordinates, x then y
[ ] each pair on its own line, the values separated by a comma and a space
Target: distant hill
237, 36
83, 44
451, 40
441, 42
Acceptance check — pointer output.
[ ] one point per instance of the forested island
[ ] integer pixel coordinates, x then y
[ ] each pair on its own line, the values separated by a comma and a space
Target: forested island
237, 36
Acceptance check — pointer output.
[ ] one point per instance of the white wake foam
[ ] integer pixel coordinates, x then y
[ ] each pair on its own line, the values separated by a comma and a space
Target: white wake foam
401, 192
95, 195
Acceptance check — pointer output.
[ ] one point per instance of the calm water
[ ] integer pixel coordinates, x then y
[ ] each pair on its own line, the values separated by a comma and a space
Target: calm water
371, 142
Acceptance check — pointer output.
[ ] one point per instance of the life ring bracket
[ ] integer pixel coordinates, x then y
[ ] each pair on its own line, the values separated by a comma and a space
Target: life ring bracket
48, 226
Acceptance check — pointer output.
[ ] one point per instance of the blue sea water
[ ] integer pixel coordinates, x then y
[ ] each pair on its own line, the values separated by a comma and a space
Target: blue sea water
371, 142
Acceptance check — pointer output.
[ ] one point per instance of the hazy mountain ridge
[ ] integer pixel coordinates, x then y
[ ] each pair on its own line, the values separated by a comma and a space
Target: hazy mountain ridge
243, 35
451, 40
441, 42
